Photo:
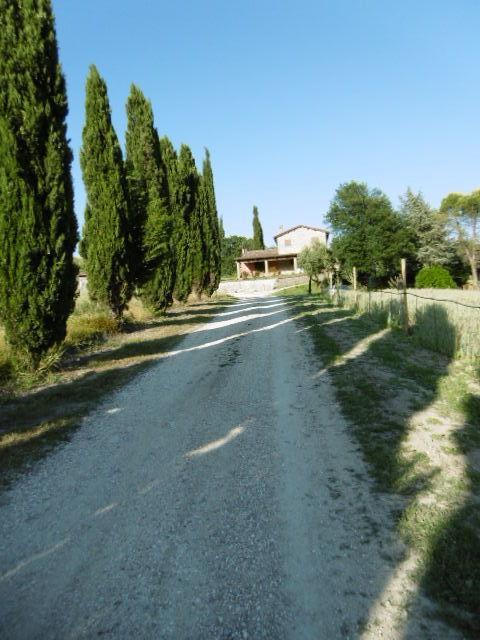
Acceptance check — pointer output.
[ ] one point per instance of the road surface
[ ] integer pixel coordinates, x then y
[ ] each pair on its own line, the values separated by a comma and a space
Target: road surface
218, 495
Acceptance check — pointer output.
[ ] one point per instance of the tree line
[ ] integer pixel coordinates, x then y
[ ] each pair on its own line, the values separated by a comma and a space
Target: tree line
372, 236
232, 246
151, 224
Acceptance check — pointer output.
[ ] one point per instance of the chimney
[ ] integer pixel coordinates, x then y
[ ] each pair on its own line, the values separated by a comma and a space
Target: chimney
280, 229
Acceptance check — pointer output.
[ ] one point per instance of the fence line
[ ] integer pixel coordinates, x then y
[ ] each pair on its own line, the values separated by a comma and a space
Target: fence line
415, 295
432, 322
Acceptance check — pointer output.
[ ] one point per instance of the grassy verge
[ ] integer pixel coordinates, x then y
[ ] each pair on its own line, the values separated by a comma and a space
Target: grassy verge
37, 413
416, 415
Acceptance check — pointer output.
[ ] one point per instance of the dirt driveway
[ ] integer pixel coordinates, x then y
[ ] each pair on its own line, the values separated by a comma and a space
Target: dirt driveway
218, 495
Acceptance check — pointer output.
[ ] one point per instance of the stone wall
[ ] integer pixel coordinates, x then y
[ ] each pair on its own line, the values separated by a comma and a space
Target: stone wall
259, 286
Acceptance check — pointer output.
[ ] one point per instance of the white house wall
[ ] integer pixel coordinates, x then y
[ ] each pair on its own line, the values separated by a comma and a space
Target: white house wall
296, 240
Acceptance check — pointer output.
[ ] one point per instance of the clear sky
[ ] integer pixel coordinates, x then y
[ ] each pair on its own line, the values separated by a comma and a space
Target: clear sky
291, 97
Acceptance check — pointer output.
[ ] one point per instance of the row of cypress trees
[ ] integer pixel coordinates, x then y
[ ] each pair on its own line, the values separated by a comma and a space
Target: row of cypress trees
151, 223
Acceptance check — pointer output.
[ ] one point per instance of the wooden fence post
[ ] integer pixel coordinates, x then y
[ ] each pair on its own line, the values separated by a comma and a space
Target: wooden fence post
355, 299
406, 327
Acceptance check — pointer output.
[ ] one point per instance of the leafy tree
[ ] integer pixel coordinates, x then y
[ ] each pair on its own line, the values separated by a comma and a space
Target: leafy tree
38, 229
187, 231
315, 260
231, 249
463, 214
434, 277
258, 242
428, 230
369, 234
210, 229
106, 234
151, 219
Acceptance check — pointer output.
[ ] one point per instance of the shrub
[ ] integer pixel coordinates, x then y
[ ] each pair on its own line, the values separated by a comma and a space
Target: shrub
435, 277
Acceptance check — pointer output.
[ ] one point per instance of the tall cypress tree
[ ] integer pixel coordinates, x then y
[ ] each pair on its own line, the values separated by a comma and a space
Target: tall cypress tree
150, 207
38, 229
106, 228
170, 163
258, 242
211, 229
186, 228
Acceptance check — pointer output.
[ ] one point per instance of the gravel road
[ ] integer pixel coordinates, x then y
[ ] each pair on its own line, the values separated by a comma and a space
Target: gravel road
218, 495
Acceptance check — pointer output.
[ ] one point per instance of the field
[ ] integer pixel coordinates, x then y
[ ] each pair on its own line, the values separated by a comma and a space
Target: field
444, 320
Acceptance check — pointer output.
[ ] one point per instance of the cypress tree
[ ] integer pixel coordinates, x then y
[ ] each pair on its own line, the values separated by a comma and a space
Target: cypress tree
106, 228
257, 231
170, 163
38, 229
150, 208
221, 231
186, 227
211, 229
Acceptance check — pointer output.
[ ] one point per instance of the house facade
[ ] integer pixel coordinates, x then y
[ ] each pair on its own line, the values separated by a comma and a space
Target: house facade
281, 259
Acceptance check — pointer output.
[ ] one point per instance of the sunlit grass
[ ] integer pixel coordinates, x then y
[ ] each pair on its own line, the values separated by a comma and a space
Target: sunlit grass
437, 322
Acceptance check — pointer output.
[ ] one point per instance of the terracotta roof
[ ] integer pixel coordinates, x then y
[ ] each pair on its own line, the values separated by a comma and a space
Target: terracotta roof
307, 226
265, 254
259, 254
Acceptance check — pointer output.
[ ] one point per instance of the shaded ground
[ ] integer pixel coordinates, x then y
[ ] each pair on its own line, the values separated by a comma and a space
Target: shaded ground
33, 422
219, 494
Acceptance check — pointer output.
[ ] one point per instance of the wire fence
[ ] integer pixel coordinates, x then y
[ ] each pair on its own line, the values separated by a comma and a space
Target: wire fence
446, 323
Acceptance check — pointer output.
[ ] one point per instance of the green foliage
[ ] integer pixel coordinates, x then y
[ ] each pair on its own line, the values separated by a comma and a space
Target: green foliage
315, 260
211, 255
434, 277
151, 219
369, 234
106, 234
231, 249
38, 230
463, 214
428, 230
187, 232
257, 242
170, 164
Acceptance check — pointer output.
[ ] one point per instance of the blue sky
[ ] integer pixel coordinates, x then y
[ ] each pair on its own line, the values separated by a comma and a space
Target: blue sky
291, 98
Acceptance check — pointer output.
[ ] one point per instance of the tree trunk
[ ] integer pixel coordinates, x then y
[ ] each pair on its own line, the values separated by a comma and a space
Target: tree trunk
473, 267
310, 284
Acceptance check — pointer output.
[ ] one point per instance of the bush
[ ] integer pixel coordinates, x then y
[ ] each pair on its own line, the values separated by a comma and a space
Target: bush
89, 329
435, 277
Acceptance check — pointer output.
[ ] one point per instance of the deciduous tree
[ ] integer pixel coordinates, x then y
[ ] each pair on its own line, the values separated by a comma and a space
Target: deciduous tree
369, 234
315, 260
463, 213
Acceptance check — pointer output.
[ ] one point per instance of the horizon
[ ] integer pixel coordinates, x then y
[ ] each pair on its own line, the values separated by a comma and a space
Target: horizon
357, 90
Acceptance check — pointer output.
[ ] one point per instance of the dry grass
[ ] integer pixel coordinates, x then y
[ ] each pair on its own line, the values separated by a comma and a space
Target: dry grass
438, 317
416, 416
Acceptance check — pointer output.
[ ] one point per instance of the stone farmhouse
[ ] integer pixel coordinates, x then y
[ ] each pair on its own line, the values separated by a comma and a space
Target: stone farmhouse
281, 259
